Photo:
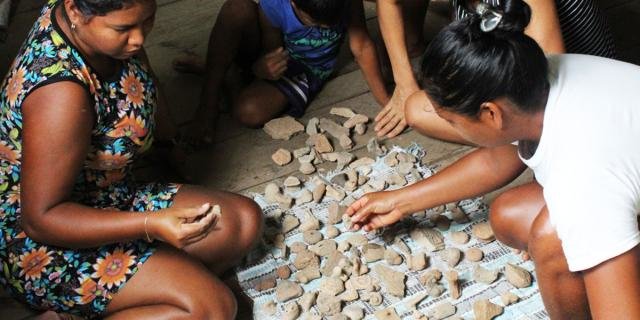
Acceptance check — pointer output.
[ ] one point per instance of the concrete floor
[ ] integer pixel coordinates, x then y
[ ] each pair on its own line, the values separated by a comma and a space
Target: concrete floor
239, 160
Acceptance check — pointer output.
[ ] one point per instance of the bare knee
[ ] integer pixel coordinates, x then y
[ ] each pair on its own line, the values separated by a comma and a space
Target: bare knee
503, 216
251, 223
214, 301
249, 113
238, 12
544, 245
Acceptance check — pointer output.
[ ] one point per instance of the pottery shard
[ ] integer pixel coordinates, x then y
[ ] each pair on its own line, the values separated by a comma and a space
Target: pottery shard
291, 181
355, 120
308, 300
483, 309
357, 240
265, 284
392, 257
459, 237
312, 236
509, 298
332, 286
324, 248
374, 147
403, 247
458, 215
391, 159
443, 310
404, 168
332, 128
372, 252
281, 157
430, 239
375, 298
335, 194
283, 128
442, 222
483, 232
297, 153
290, 311
418, 262
305, 196
304, 259
312, 126
309, 222
335, 259
353, 312
345, 142
393, 280
362, 282
322, 144
454, 285
283, 272
474, 254
334, 214
318, 192
430, 278
289, 222
343, 112
360, 129
485, 276
278, 243
517, 276
365, 161
396, 180
287, 290
331, 231
387, 314
451, 256
307, 274
307, 168
412, 302
328, 305
298, 247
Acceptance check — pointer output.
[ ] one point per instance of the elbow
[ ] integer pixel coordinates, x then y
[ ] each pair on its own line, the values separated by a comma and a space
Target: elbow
31, 227
361, 49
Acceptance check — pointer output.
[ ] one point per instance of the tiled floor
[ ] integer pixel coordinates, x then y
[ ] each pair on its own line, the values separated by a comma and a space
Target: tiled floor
240, 161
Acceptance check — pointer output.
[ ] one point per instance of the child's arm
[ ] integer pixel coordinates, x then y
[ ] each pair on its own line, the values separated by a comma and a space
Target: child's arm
272, 64
364, 51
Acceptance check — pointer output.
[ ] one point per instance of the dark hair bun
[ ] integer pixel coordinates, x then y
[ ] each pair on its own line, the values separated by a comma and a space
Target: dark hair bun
516, 16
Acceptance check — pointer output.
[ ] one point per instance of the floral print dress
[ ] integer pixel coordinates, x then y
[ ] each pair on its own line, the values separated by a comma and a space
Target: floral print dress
81, 281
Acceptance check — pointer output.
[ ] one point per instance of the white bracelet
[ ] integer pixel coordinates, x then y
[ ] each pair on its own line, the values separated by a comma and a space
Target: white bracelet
146, 233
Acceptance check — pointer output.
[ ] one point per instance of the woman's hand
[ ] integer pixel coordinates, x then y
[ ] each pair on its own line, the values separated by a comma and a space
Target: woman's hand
376, 210
180, 227
391, 121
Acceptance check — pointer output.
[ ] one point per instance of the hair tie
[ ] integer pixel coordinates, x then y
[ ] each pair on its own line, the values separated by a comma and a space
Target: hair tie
489, 18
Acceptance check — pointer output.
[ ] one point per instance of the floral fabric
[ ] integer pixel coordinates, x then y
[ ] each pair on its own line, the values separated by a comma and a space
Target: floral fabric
48, 277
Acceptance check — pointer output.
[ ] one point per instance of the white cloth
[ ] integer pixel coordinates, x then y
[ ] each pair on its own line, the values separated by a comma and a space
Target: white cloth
588, 157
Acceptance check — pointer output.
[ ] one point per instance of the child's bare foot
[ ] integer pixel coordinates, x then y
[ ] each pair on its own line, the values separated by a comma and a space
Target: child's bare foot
189, 63
523, 254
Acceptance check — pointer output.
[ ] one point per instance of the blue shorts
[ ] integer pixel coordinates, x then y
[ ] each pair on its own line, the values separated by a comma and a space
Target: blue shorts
300, 87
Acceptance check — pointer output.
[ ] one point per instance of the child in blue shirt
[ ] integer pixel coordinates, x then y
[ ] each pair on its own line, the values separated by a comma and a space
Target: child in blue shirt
275, 56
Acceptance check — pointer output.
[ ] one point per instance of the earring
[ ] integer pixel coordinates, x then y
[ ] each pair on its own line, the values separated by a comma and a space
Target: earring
73, 26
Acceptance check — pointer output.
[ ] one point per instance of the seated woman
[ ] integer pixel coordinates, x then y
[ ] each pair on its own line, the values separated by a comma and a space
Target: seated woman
79, 236
558, 26
575, 118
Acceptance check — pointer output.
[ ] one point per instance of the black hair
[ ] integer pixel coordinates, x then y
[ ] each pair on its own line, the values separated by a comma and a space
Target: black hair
99, 7
324, 11
464, 66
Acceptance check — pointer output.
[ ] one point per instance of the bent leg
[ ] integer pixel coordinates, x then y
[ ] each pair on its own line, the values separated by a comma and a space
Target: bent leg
172, 285
258, 103
236, 233
423, 118
414, 12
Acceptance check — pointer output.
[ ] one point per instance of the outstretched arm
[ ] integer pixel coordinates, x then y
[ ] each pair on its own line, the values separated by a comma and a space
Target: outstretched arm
477, 173
364, 52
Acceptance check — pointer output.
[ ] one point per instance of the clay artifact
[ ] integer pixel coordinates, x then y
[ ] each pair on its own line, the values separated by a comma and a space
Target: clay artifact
342, 111
387, 314
412, 302
485, 276
328, 305
290, 311
270, 308
418, 262
312, 126
509, 298
287, 290
353, 312
281, 157
459, 237
454, 284
372, 252
483, 232
308, 300
283, 128
451, 256
318, 192
443, 310
297, 153
355, 120
517, 276
474, 254
283, 272
483, 309
312, 236
392, 257
429, 238
265, 284
393, 280
374, 147
289, 222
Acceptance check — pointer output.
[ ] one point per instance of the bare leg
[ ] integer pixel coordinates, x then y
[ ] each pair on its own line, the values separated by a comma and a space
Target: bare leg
172, 285
414, 12
236, 35
259, 103
421, 116
520, 219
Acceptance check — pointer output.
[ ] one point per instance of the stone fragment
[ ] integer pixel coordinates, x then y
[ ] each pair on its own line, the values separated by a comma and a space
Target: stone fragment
308, 300
270, 308
360, 129
345, 142
324, 248
309, 222
436, 291
312, 236
376, 185
453, 283
265, 284
441, 221
297, 153
391, 160
335, 317
404, 157
474, 254
430, 239
509, 298
298, 247
281, 157
322, 144
483, 232
342, 111
372, 252
365, 161
397, 241
308, 274
307, 168
291, 181
519, 277
459, 237
289, 222
346, 221
393, 280
485, 276
404, 168
353, 312
361, 282
430, 278
331, 231
305, 196
443, 310
318, 192
332, 286
287, 290
334, 214
375, 298
332, 128
362, 179
333, 260
328, 305
343, 246
392, 257
304, 259
334, 193
374, 147
342, 158
386, 314
283, 128
396, 180
357, 239
418, 262
458, 215
290, 311
283, 272
312, 126
349, 295
278, 243
412, 302
451, 256
355, 120
483, 309
273, 195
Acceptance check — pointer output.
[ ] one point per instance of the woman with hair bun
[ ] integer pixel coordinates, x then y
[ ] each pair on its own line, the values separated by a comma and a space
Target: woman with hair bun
78, 234
575, 120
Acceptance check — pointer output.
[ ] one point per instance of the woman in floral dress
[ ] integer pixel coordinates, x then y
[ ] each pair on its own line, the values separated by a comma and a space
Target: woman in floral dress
78, 106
